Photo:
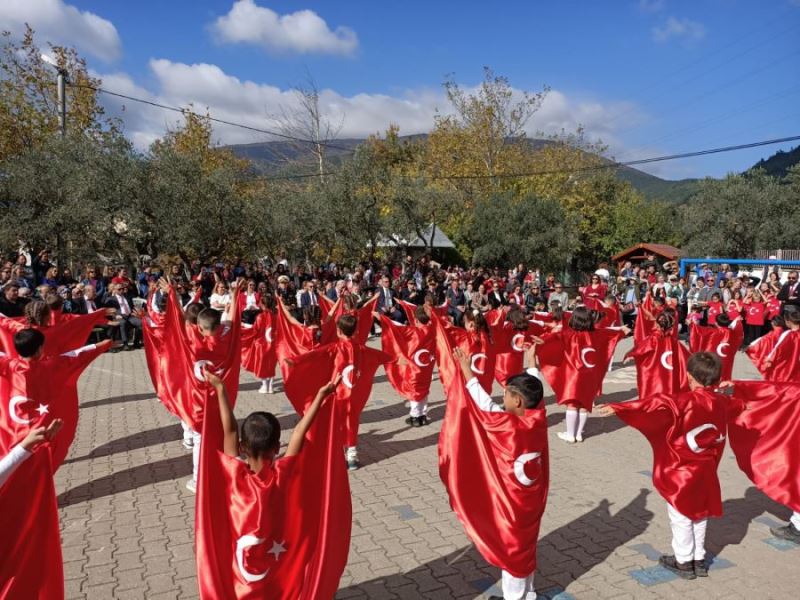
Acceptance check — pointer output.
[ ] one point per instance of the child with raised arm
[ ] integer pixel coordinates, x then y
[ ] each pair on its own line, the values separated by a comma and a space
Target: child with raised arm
687, 431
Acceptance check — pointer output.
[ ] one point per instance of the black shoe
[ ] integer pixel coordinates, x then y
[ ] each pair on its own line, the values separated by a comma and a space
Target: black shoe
701, 568
789, 533
682, 570
423, 420
127, 348
496, 598
410, 421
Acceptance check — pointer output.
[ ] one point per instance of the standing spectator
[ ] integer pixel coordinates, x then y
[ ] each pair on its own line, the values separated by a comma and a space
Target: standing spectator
790, 291
91, 278
627, 270
630, 298
50, 277
41, 265
11, 305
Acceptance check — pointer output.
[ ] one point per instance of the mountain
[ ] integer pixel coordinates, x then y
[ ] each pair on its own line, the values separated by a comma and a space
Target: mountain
289, 157
779, 163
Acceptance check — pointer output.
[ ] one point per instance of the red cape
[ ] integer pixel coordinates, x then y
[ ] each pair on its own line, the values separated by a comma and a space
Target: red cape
416, 345
660, 365
722, 341
495, 467
259, 355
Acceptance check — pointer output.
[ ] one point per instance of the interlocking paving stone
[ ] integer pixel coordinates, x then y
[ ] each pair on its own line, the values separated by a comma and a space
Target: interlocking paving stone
127, 521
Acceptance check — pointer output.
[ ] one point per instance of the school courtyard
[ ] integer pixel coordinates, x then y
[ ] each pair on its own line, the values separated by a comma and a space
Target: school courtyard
127, 518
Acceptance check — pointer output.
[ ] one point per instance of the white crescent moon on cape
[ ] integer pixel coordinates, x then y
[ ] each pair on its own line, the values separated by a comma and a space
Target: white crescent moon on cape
519, 467
518, 342
720, 347
198, 369
418, 358
346, 379
12, 410
691, 437
268, 334
246, 541
584, 352
473, 363
665, 362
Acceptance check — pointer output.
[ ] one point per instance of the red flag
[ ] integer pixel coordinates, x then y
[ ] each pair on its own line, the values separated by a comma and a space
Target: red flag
153, 341
509, 345
765, 437
31, 567
59, 338
495, 467
258, 346
722, 341
357, 365
783, 362
185, 359
415, 343
574, 363
282, 533
33, 392
759, 350
478, 346
612, 317
292, 339
644, 324
687, 434
364, 321
325, 304
660, 365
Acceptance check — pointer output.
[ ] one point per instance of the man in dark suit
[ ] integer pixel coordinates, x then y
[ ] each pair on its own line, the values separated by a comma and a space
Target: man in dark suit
790, 292
411, 293
129, 323
456, 302
386, 301
496, 297
309, 297
11, 305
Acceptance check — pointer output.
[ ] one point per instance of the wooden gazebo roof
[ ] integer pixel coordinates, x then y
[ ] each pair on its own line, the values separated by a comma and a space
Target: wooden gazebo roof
639, 251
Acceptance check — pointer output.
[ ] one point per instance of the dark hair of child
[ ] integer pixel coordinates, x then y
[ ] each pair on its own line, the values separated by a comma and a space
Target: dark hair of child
350, 302
666, 320
715, 296
791, 314
723, 320
422, 316
347, 325
519, 321
191, 312
778, 321
557, 310
528, 387
581, 319
705, 367
54, 302
28, 341
261, 434
481, 326
268, 303
209, 319
37, 313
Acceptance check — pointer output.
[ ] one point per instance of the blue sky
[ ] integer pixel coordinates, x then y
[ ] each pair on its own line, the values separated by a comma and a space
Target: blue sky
649, 77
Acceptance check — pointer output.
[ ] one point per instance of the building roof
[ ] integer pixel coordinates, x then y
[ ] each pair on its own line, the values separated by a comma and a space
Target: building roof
662, 250
440, 240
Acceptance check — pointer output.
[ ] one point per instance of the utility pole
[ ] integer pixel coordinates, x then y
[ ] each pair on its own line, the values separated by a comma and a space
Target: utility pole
62, 93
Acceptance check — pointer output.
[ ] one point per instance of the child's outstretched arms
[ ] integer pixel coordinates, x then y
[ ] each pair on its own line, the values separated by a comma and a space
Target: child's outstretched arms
300, 430
230, 429
40, 434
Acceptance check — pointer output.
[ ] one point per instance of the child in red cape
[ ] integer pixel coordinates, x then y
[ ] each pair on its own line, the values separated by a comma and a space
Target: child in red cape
687, 432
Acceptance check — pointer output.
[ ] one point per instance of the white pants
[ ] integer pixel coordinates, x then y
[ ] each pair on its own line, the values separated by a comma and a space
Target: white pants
518, 588
795, 520
195, 454
187, 431
688, 537
419, 409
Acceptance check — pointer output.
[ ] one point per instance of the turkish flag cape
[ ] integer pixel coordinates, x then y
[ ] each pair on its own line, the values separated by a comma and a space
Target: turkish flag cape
785, 358
269, 535
764, 431
183, 375
153, 339
592, 302
325, 303
363, 326
59, 338
612, 317
31, 567
259, 356
687, 433
33, 392
495, 468
509, 344
415, 343
722, 341
357, 365
478, 346
660, 365
759, 350
292, 339
410, 310
643, 326
574, 363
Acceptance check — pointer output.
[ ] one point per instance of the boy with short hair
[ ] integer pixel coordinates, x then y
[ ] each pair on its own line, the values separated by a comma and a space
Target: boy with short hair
687, 432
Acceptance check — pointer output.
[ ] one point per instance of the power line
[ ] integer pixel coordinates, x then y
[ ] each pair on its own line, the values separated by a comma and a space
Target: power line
213, 119
609, 165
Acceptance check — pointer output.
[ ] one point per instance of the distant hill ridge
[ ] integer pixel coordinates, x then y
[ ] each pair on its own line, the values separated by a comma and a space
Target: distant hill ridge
270, 157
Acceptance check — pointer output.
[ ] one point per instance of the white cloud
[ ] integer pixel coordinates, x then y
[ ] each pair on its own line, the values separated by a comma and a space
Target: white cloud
302, 32
226, 97
61, 23
684, 28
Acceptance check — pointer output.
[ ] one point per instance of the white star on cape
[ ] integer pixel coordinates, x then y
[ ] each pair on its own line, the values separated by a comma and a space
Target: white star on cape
277, 549
42, 409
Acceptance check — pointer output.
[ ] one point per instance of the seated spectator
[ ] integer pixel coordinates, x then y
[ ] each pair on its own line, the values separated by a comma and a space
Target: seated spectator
534, 299
558, 295
130, 326
50, 278
480, 300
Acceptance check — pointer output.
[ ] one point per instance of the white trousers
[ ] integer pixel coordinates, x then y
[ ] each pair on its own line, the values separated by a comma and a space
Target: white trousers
518, 588
419, 409
195, 454
187, 431
795, 520
688, 537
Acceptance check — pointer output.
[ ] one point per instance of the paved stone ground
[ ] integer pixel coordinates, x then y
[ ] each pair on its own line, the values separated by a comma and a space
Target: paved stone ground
127, 520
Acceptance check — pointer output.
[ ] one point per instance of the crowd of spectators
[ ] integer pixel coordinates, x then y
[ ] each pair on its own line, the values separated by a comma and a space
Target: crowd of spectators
698, 297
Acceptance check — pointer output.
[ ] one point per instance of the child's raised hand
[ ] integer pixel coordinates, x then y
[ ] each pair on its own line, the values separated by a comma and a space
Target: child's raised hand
40, 434
328, 388
211, 377
462, 358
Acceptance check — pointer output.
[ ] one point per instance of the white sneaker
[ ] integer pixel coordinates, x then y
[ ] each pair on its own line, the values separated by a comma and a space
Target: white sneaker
264, 387
579, 437
351, 456
191, 485
566, 437
269, 387
188, 443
